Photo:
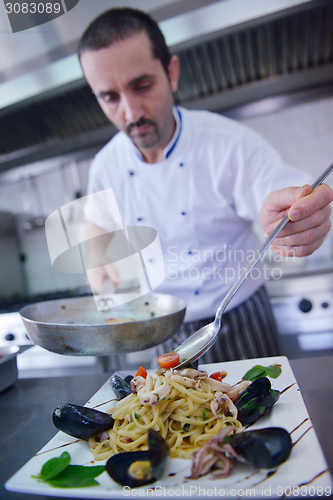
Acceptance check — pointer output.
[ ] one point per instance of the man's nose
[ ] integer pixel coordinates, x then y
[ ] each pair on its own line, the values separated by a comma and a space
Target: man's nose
132, 109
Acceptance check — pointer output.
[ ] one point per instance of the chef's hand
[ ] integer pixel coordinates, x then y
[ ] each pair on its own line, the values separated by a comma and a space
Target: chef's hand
97, 277
309, 213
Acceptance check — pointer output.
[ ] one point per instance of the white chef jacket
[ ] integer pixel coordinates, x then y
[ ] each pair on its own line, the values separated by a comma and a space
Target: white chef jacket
202, 199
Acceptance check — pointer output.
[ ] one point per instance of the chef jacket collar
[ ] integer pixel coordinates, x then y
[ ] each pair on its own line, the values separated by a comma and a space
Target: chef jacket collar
172, 144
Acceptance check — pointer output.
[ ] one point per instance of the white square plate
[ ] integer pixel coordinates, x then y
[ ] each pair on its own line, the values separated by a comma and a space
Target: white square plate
305, 473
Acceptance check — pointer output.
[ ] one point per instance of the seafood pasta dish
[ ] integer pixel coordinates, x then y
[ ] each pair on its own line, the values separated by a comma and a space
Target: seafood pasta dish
187, 407
180, 413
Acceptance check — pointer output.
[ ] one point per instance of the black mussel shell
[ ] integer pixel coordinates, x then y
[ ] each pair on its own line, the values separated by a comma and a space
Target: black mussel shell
257, 388
81, 422
257, 407
155, 458
255, 400
120, 387
159, 452
128, 379
263, 448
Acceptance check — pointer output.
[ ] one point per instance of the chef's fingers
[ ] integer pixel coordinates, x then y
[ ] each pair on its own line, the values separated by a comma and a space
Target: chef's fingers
297, 251
304, 238
314, 220
307, 205
277, 204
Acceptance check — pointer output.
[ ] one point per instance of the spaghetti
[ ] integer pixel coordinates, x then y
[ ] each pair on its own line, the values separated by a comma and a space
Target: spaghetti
185, 406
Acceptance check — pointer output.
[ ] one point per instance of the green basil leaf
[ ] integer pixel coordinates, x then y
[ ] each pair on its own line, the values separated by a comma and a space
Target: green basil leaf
258, 371
255, 372
77, 476
54, 466
274, 371
58, 473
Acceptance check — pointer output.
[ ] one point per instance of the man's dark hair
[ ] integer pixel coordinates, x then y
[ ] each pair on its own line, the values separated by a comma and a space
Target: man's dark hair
120, 23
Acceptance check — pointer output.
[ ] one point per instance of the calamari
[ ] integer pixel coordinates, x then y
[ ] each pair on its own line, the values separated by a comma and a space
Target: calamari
137, 383
222, 403
153, 391
216, 385
212, 455
238, 388
188, 377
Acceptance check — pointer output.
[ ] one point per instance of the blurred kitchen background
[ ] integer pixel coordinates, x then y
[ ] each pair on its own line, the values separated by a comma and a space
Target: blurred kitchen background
265, 63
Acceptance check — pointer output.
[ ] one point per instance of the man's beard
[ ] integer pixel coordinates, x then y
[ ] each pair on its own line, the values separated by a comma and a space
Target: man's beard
142, 140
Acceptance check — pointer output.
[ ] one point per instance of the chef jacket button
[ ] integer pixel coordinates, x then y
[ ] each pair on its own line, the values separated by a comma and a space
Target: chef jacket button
190, 252
183, 213
181, 164
196, 292
131, 173
139, 218
151, 260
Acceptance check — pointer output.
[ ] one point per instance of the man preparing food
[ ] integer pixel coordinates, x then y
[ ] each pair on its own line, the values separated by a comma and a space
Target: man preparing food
199, 179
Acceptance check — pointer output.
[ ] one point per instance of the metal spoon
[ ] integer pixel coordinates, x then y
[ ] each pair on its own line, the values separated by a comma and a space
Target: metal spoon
202, 340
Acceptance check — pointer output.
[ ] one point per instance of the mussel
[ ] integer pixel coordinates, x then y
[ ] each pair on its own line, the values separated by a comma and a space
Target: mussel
120, 387
255, 400
263, 448
81, 422
136, 468
128, 379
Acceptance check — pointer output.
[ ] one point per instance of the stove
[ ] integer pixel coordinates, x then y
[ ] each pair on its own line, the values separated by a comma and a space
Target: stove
303, 308
12, 330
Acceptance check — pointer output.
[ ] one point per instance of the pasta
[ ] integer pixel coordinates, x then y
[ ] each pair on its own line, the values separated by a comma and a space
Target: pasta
185, 406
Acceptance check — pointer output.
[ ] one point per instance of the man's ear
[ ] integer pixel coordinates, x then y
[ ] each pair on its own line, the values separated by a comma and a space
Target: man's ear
174, 72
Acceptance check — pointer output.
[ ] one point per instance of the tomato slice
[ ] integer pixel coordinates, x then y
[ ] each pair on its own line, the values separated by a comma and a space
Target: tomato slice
168, 360
216, 376
142, 372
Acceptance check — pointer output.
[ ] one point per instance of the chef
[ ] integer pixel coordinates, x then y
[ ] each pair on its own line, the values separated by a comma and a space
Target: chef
199, 179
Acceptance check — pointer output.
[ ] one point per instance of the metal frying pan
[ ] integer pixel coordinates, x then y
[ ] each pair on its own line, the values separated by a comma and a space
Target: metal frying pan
75, 327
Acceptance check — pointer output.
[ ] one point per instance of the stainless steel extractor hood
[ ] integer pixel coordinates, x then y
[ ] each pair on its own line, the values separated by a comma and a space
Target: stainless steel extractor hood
232, 52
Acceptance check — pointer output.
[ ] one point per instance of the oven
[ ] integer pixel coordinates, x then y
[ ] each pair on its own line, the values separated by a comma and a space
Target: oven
302, 305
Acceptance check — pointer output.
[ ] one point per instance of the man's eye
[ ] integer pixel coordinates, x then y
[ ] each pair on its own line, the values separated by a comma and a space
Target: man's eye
143, 88
110, 98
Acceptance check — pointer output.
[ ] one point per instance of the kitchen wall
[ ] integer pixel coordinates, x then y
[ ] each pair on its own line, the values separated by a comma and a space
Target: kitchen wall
302, 133
56, 182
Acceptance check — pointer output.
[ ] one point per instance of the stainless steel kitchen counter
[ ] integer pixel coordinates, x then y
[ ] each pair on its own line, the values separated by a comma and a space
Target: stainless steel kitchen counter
26, 413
